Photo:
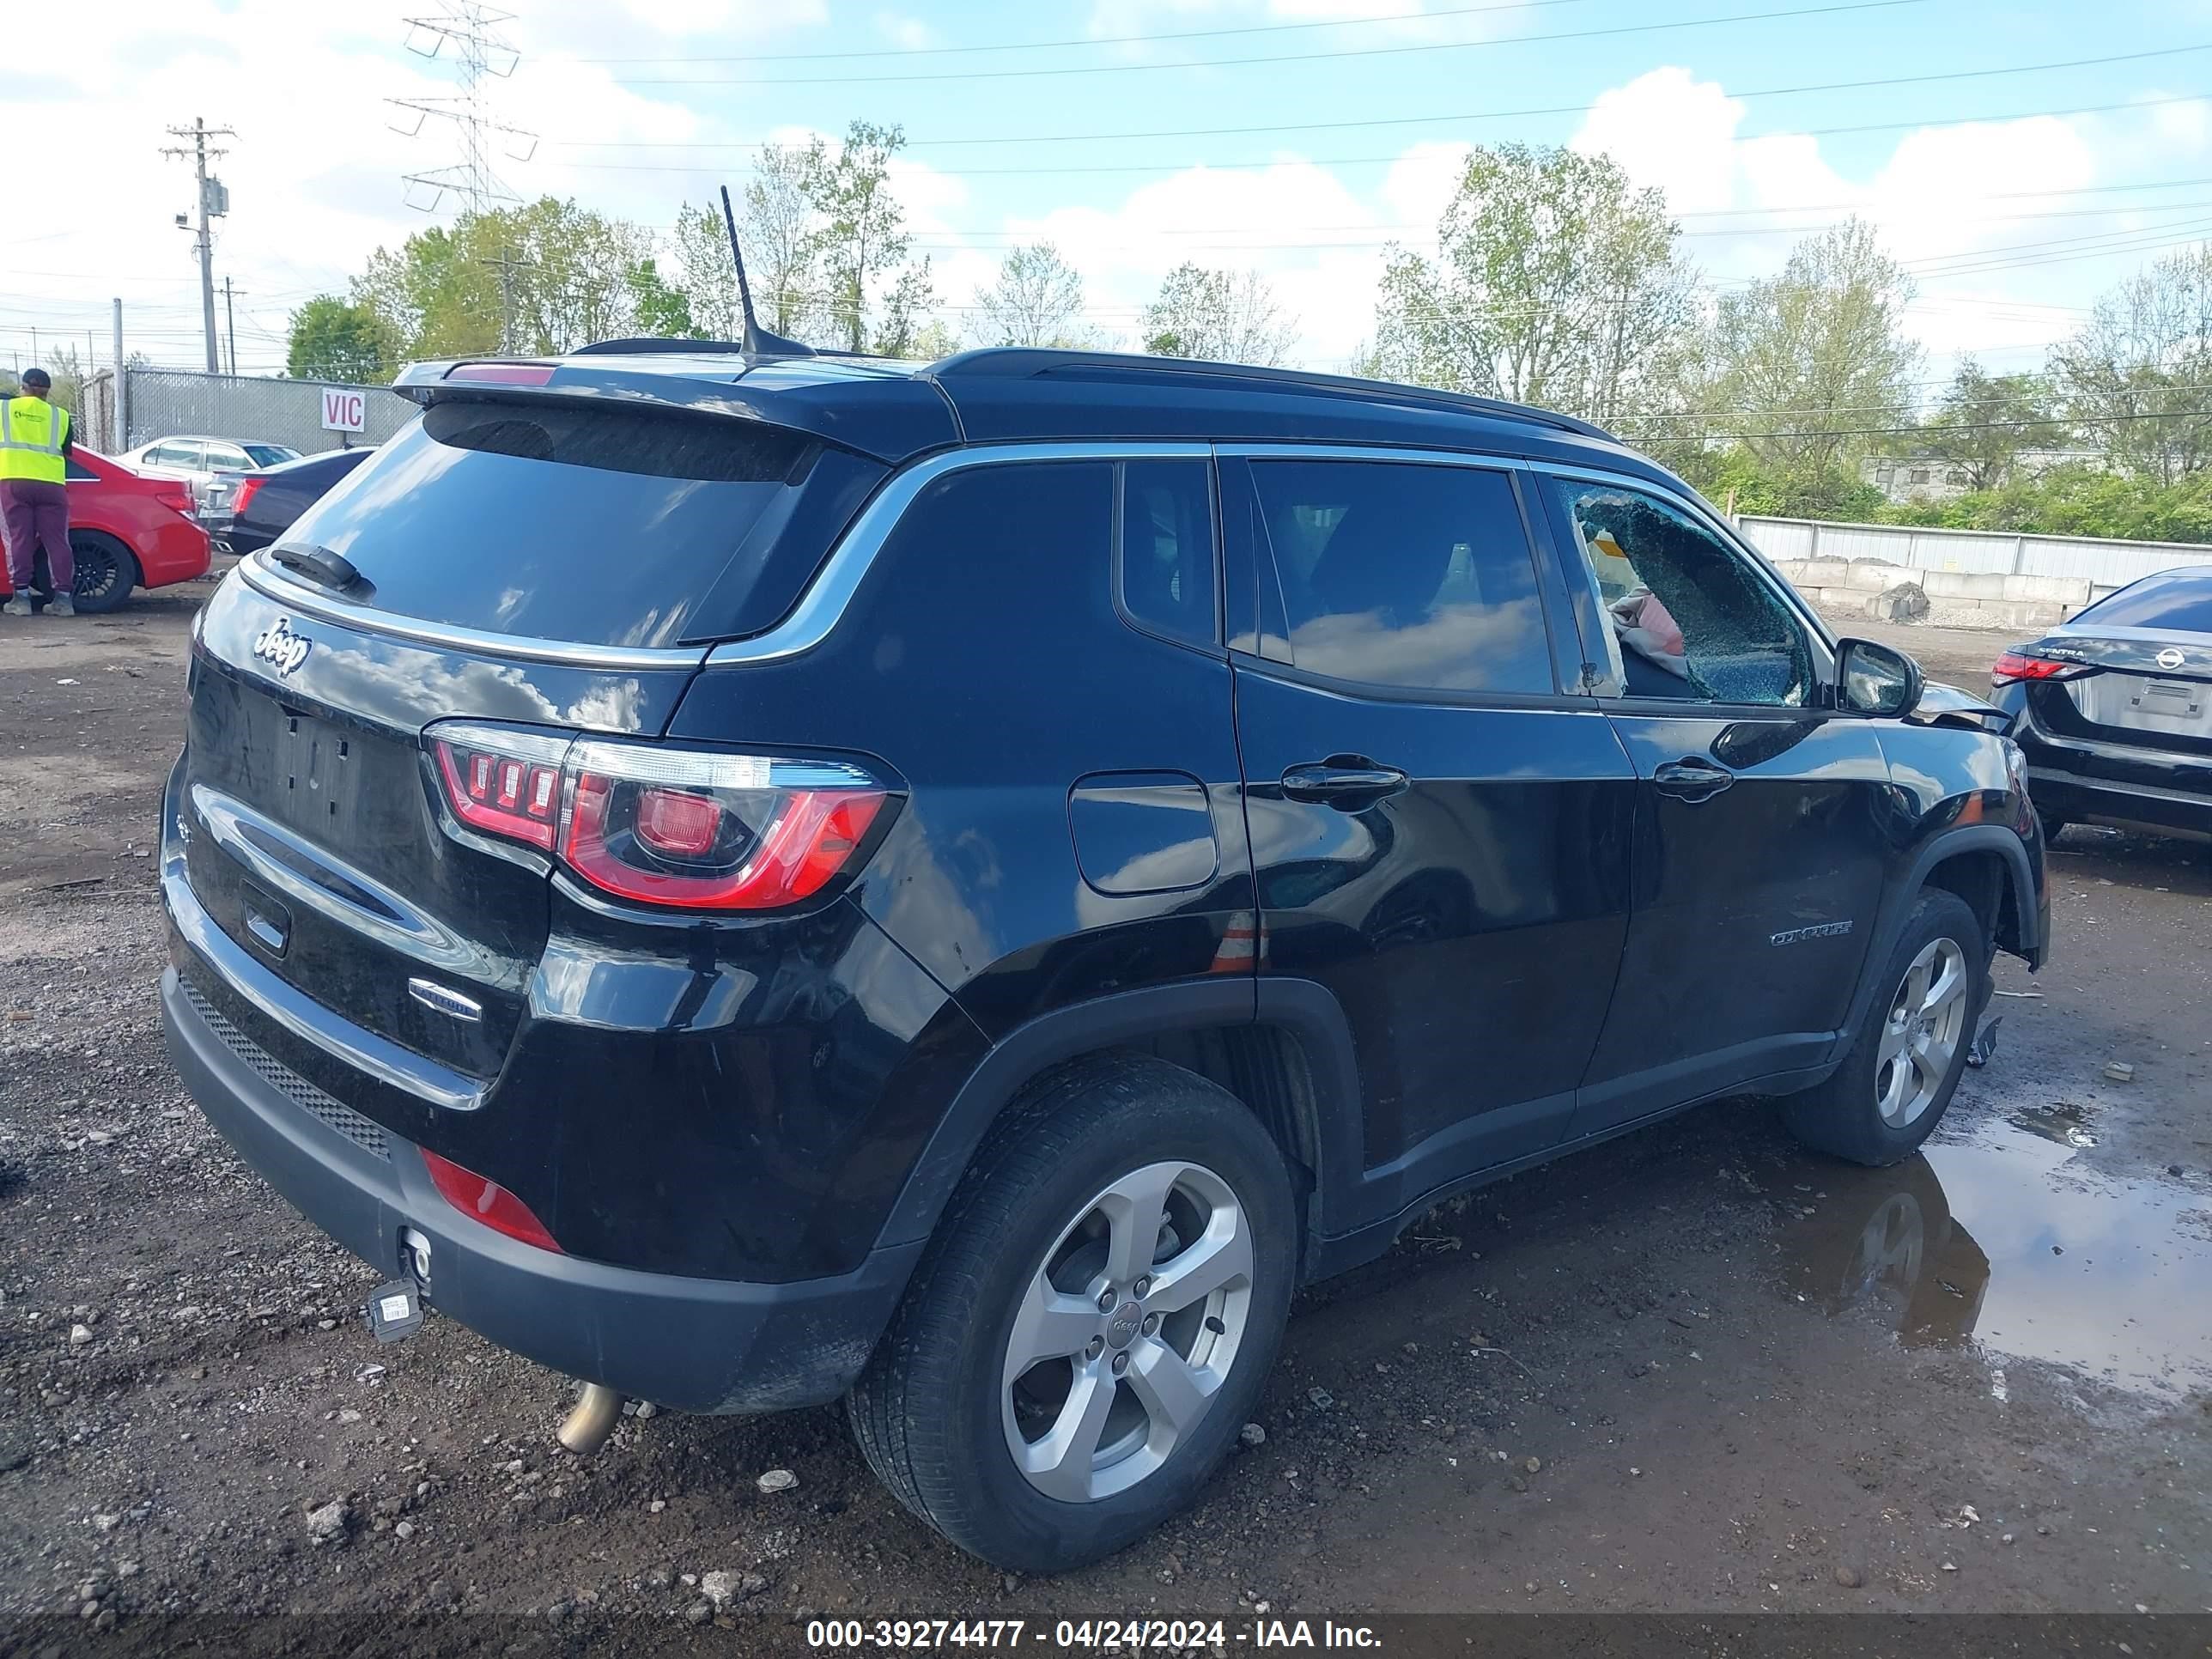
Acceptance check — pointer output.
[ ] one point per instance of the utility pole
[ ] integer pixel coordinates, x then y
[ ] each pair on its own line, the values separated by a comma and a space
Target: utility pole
507, 264
230, 324
122, 386
214, 203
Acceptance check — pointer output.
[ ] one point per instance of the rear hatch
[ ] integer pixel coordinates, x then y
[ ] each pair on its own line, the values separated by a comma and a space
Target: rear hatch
535, 567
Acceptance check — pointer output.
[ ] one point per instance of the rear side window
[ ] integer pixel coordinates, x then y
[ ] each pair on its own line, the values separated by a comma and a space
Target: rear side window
585, 526
2181, 602
1167, 560
270, 454
1405, 575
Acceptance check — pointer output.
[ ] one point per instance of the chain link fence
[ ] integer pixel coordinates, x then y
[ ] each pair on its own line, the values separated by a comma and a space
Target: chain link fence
91, 404
161, 403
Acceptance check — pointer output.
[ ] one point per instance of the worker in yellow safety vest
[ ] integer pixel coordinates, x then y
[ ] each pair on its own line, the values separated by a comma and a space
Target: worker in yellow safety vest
34, 446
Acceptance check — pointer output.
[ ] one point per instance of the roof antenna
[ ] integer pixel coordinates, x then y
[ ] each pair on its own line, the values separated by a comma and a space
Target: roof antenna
757, 341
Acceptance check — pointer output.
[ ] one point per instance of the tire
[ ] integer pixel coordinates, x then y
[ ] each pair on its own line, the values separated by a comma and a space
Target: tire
106, 571
2052, 828
1896, 1083
943, 1400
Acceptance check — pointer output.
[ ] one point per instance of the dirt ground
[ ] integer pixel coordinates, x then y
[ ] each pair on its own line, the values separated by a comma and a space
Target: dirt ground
1693, 1371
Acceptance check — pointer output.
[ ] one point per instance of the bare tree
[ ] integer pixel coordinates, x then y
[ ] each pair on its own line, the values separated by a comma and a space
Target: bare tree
1230, 317
1035, 302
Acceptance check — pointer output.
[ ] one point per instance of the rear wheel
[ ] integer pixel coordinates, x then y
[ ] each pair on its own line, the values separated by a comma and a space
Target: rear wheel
1911, 1050
1093, 1322
106, 571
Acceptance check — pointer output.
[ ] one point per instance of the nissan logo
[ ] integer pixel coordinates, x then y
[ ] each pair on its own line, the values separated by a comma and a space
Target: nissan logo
280, 648
2171, 657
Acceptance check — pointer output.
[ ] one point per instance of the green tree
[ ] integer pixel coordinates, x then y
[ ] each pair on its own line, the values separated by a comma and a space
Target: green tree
542, 277
1219, 316
906, 312
334, 339
2135, 378
1807, 365
1557, 281
658, 310
1985, 422
861, 231
1036, 300
778, 227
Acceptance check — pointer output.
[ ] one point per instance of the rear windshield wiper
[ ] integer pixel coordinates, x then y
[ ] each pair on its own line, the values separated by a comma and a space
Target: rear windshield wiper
317, 564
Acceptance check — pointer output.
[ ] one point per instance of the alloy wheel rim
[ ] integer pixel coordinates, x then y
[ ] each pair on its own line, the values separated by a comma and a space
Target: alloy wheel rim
1920, 1037
1127, 1331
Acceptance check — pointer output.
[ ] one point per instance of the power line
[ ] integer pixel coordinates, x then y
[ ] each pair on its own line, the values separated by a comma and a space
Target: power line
1090, 40
1187, 165
1280, 57
1410, 121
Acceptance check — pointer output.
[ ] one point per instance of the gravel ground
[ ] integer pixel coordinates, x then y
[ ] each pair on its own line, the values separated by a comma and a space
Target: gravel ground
1692, 1371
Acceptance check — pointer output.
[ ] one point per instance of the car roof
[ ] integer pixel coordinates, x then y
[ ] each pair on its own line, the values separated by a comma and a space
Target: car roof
894, 411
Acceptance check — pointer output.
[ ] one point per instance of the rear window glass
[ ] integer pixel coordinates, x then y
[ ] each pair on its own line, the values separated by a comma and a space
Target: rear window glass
551, 521
2182, 603
270, 454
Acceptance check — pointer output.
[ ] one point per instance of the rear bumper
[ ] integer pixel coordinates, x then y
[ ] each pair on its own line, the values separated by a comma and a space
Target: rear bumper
700, 1345
2077, 779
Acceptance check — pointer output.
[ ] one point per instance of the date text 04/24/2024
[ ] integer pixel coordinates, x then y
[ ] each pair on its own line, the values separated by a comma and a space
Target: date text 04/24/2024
1085, 1634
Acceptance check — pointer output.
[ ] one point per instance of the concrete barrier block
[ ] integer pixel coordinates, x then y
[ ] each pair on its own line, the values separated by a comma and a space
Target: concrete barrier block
1876, 576
1816, 573
2057, 590
1964, 585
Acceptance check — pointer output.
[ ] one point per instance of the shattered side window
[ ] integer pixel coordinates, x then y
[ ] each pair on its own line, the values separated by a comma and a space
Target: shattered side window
1689, 620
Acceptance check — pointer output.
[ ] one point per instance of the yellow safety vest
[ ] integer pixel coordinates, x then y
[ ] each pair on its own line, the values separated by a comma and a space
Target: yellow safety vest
34, 435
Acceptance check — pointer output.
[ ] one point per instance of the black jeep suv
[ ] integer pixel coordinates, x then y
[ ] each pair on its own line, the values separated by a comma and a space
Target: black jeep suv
752, 880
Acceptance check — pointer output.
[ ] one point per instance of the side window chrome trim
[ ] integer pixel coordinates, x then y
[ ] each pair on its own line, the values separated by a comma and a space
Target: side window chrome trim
1822, 642
1294, 452
823, 603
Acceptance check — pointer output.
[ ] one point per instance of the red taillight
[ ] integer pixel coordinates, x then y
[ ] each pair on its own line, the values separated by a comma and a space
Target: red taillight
2022, 665
502, 373
176, 497
509, 794
247, 492
694, 828
488, 1202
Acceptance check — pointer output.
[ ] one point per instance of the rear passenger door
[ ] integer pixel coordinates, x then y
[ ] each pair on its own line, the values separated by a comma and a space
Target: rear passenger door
1762, 830
1439, 827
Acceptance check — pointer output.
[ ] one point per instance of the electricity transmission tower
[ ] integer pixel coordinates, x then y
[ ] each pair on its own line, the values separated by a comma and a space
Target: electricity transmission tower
471, 31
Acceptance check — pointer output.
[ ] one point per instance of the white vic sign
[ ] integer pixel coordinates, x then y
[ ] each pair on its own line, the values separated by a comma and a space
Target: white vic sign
344, 409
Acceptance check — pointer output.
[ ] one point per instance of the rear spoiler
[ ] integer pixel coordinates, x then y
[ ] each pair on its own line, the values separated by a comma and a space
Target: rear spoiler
889, 418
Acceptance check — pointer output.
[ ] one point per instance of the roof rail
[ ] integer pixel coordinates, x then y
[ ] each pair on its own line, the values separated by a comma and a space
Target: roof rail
1024, 362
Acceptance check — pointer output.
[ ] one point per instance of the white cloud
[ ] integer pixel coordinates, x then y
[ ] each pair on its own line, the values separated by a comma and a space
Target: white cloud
1944, 191
908, 33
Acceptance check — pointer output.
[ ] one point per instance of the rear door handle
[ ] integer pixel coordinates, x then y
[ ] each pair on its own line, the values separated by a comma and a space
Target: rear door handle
1691, 779
1350, 783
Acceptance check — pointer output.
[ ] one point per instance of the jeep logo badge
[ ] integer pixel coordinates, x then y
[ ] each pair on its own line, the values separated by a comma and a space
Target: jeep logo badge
280, 648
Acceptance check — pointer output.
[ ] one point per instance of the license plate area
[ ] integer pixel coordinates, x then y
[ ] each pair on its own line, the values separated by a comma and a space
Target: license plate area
2175, 699
317, 772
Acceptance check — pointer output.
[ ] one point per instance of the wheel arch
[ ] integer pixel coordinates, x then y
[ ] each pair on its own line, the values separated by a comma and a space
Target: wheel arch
1986, 865
1285, 1050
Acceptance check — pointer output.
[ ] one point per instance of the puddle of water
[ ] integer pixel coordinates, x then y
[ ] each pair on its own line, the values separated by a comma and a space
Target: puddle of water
2004, 1240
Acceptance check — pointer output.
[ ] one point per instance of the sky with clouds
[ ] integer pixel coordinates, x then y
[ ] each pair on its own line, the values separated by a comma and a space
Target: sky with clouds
1297, 136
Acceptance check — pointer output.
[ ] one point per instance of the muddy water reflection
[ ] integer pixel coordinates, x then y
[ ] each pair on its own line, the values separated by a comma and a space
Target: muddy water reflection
2006, 1239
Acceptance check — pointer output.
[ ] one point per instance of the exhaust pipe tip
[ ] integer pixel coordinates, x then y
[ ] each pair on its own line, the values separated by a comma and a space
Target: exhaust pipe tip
585, 1428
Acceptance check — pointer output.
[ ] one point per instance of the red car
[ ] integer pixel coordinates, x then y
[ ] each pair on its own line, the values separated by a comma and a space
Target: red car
127, 532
